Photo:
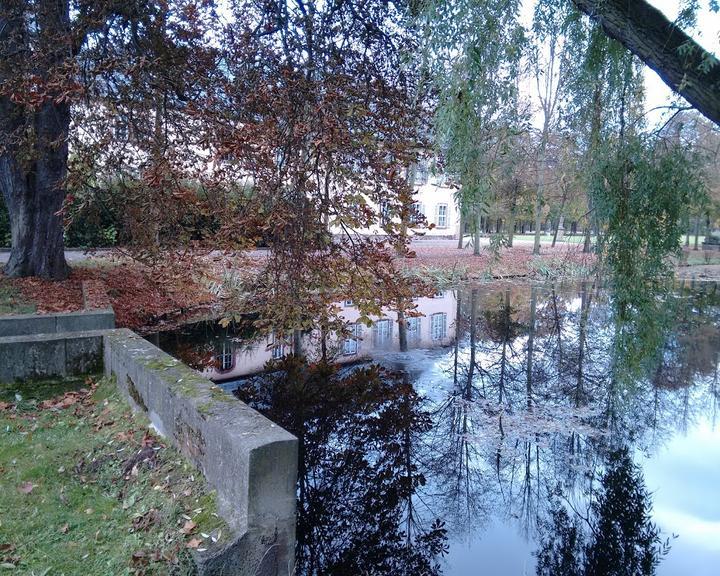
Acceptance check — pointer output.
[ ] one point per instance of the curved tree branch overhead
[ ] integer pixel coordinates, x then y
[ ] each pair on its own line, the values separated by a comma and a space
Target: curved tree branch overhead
685, 66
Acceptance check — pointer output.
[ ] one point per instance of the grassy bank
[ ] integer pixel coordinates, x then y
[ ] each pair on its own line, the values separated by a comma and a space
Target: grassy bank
85, 489
12, 300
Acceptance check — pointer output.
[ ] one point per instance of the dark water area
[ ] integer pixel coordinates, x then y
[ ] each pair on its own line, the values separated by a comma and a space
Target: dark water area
527, 430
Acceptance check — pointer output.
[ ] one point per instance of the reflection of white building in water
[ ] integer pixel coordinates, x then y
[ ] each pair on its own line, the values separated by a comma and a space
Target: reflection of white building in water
434, 328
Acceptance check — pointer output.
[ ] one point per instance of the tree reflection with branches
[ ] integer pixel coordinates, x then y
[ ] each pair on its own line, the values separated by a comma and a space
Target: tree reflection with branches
615, 538
357, 469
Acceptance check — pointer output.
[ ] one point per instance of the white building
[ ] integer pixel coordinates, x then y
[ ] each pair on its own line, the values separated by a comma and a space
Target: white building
434, 198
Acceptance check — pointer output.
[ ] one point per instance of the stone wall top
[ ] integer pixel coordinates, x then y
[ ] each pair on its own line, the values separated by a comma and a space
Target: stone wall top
26, 324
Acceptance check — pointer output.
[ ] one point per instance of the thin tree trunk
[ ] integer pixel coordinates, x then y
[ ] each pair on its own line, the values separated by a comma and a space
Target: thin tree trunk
586, 242
460, 232
540, 189
402, 330
478, 229
560, 218
697, 231
530, 345
473, 341
511, 227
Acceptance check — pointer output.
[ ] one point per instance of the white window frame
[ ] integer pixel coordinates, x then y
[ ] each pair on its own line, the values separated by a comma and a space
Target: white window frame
413, 326
278, 348
382, 330
225, 358
444, 223
384, 210
351, 344
417, 212
438, 326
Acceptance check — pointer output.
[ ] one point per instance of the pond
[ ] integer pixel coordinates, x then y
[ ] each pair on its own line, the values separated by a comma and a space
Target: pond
525, 431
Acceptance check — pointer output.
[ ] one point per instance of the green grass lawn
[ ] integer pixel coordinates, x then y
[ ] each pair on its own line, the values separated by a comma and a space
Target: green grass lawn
12, 301
699, 257
84, 489
547, 238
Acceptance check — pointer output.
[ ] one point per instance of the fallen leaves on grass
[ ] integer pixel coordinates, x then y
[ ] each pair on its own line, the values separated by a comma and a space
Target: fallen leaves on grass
188, 527
193, 543
26, 487
71, 398
145, 521
146, 456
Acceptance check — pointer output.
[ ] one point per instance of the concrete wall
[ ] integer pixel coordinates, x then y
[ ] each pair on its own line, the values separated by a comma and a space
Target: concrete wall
251, 462
24, 324
51, 355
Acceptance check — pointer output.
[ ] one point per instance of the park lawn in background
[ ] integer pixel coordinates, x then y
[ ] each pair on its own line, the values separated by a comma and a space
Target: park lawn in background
12, 300
701, 257
86, 489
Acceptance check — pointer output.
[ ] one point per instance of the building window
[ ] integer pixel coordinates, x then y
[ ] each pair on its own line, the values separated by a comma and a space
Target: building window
417, 213
413, 328
350, 346
384, 213
441, 219
224, 359
278, 348
438, 326
382, 331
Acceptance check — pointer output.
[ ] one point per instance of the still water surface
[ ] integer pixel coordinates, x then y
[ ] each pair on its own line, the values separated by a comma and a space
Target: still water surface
525, 431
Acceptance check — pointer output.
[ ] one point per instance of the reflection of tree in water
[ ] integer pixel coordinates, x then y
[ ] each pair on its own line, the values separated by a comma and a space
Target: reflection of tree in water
358, 471
537, 398
615, 538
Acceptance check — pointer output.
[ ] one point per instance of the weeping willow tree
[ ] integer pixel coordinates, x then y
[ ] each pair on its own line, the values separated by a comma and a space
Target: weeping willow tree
640, 187
475, 49
638, 184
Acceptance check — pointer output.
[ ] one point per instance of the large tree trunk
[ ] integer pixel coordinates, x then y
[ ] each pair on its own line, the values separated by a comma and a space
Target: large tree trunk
33, 163
685, 66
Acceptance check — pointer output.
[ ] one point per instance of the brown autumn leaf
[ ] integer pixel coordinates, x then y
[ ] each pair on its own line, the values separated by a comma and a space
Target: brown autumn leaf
124, 436
194, 543
139, 558
26, 487
145, 521
188, 527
